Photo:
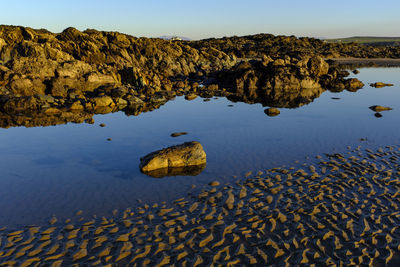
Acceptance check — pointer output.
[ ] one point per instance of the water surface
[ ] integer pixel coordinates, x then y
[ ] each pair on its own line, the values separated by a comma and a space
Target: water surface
61, 169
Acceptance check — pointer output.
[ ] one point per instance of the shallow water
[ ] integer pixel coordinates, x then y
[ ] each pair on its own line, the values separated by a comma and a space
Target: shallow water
61, 169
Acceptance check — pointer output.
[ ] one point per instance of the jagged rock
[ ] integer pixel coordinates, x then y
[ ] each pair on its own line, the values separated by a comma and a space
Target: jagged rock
77, 105
353, 84
102, 101
108, 69
183, 155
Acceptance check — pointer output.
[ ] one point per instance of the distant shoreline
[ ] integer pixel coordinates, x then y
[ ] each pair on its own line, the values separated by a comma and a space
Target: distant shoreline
381, 62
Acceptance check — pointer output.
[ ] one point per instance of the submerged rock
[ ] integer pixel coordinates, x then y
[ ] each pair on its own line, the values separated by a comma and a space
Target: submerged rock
178, 134
183, 155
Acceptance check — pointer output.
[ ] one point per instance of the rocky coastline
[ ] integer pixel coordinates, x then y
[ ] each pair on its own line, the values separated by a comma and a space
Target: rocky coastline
94, 72
342, 209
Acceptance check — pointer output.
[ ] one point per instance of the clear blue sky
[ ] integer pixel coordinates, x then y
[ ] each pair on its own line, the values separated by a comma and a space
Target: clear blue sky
210, 18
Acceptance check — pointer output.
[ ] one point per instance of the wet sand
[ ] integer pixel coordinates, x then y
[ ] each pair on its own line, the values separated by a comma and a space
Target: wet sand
343, 210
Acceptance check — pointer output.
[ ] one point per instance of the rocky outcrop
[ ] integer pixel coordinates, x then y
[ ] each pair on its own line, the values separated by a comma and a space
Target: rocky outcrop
179, 156
255, 46
101, 72
283, 82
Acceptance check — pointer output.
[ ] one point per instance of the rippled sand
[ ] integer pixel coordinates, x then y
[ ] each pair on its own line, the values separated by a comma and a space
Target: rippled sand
343, 210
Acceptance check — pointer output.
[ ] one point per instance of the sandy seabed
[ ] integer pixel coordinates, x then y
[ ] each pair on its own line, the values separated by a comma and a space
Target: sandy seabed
344, 210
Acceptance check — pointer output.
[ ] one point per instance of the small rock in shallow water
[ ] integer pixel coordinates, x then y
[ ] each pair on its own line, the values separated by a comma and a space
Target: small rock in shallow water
380, 84
214, 183
335, 98
356, 71
183, 155
102, 125
378, 115
109, 139
190, 97
178, 134
378, 108
272, 112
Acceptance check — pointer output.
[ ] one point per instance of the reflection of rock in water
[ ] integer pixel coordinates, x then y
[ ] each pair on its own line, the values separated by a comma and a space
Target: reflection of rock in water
272, 112
34, 119
282, 99
179, 171
35, 112
285, 83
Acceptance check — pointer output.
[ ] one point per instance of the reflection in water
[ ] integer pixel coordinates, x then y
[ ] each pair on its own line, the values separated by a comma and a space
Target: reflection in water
37, 118
284, 98
178, 171
281, 98
99, 176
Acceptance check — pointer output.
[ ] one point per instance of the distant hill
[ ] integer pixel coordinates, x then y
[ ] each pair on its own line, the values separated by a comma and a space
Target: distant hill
170, 37
373, 40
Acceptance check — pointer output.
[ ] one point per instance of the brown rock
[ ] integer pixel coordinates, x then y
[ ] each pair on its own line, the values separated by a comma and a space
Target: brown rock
380, 84
272, 112
178, 134
103, 101
214, 183
353, 84
76, 106
378, 108
190, 97
318, 66
186, 154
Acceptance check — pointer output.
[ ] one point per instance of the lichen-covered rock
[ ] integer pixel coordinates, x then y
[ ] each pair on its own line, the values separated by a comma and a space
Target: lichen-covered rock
183, 155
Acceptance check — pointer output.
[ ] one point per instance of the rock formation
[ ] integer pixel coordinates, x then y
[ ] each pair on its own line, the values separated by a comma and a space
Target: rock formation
101, 72
179, 156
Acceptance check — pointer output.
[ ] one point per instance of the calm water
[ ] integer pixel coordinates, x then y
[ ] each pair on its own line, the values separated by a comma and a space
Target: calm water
61, 169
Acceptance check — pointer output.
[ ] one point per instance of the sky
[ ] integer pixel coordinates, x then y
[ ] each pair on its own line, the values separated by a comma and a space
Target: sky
210, 18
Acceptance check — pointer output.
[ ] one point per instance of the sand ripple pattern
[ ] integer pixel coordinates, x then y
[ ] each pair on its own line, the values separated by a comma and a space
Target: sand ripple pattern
344, 210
